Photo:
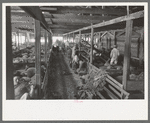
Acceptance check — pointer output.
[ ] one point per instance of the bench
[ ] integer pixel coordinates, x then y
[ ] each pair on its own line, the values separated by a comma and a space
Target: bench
112, 90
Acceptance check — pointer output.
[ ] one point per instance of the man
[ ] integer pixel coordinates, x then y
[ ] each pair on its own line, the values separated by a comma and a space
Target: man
74, 49
114, 55
75, 61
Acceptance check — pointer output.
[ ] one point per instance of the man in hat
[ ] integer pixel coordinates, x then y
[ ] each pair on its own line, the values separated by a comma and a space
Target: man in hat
114, 55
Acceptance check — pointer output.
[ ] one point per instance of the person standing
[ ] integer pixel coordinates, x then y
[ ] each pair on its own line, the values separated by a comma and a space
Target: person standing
114, 55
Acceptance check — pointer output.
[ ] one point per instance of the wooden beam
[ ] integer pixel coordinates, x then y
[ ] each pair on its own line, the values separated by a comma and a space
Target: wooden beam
9, 58
38, 54
127, 53
107, 43
85, 21
75, 10
18, 40
92, 37
28, 38
115, 40
80, 17
50, 40
73, 37
36, 13
22, 18
79, 40
45, 47
132, 16
25, 39
48, 8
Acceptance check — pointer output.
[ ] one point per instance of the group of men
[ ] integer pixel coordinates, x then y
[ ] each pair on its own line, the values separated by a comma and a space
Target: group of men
76, 61
78, 64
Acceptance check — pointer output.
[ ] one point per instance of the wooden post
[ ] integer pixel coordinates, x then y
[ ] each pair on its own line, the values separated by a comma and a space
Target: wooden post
79, 40
84, 37
38, 54
28, 38
115, 40
99, 43
109, 42
9, 58
45, 47
18, 41
127, 53
106, 43
51, 41
25, 40
73, 37
91, 55
141, 56
15, 40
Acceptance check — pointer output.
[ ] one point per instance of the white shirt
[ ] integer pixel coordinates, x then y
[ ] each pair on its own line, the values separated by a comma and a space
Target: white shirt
114, 53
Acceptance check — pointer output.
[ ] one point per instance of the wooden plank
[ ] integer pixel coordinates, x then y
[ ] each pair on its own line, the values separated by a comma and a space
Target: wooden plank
110, 93
115, 91
38, 53
9, 61
92, 38
132, 16
127, 53
100, 95
114, 81
117, 87
64, 10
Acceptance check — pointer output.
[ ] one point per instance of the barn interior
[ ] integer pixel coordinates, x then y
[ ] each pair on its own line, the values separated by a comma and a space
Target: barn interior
35, 71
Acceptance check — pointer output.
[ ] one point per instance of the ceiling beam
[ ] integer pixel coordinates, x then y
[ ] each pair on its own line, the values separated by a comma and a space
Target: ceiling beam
49, 8
81, 20
74, 16
86, 11
136, 15
36, 13
65, 26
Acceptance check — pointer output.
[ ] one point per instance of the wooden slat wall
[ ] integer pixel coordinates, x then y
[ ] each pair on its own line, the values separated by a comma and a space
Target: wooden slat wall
120, 41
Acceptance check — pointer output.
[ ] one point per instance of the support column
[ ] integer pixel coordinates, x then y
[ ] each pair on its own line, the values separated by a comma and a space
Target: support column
9, 58
18, 41
73, 37
141, 49
109, 43
99, 43
115, 40
28, 38
45, 47
92, 35
50, 36
38, 54
106, 43
25, 40
127, 53
79, 40
15, 40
